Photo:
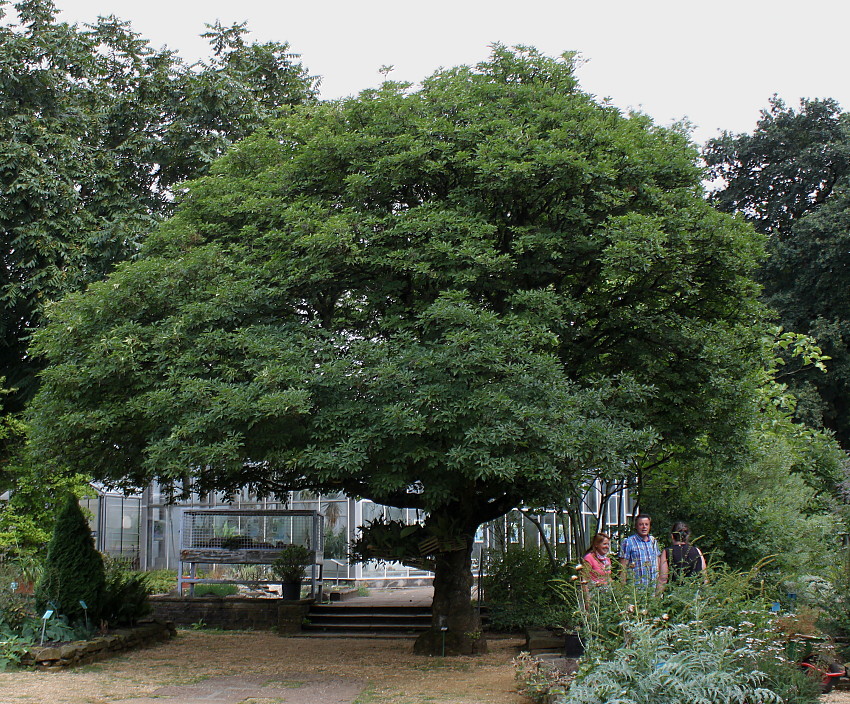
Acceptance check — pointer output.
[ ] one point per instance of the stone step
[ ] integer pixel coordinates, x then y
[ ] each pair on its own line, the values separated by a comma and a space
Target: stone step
365, 621
387, 635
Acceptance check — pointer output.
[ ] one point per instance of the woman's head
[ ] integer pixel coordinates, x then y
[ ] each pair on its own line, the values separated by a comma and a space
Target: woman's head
600, 543
680, 532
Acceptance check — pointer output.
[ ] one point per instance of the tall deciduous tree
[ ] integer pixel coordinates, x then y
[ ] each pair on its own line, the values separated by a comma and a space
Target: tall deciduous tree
96, 128
450, 299
791, 179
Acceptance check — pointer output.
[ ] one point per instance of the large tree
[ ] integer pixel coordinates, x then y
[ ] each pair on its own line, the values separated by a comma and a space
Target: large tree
453, 299
791, 179
96, 129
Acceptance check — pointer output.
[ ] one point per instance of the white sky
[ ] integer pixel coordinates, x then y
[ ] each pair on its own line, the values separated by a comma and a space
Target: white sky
716, 63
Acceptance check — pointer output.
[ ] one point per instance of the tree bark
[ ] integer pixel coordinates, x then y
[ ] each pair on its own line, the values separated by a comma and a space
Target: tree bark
456, 624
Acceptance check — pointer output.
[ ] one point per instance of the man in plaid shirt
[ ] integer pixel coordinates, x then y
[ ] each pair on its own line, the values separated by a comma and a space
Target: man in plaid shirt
639, 552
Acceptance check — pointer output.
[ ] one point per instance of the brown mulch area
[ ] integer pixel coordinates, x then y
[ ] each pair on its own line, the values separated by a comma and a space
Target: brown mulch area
391, 673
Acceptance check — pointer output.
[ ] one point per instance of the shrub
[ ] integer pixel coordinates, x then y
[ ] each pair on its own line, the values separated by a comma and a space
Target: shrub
730, 597
161, 581
12, 649
125, 593
56, 629
832, 598
15, 610
21, 566
518, 576
520, 592
509, 618
73, 570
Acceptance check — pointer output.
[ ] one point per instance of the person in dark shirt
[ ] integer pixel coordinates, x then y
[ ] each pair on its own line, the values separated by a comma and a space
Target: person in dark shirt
681, 559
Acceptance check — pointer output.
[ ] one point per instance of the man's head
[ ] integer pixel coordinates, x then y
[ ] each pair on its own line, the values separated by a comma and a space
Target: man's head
643, 524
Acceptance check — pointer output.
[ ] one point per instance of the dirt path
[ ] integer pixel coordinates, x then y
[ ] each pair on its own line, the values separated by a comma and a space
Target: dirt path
379, 671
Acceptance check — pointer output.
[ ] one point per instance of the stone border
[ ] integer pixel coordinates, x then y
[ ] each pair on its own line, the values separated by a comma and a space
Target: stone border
83, 652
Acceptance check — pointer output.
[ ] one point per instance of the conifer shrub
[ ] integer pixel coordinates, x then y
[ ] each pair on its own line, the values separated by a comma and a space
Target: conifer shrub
73, 569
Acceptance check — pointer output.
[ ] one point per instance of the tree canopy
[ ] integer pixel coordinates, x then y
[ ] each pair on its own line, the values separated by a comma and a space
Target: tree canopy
454, 298
791, 179
96, 129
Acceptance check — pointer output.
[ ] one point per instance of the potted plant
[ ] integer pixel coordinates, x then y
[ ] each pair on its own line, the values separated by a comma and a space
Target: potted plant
289, 568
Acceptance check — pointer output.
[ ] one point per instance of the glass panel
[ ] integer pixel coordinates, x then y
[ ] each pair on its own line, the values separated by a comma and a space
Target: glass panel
336, 529
113, 521
591, 500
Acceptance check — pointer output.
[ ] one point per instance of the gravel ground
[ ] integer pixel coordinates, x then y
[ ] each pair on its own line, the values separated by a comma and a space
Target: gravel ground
384, 671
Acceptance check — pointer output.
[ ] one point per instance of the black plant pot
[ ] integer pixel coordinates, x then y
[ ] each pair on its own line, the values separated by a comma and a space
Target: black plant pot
573, 647
291, 591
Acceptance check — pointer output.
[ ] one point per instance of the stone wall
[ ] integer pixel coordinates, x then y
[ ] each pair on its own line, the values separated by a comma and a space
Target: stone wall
232, 613
82, 652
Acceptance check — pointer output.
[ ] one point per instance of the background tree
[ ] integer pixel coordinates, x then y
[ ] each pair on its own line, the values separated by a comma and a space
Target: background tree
778, 500
452, 299
73, 570
790, 179
96, 129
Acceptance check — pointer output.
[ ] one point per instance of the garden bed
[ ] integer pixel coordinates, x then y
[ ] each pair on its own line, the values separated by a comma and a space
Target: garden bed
81, 652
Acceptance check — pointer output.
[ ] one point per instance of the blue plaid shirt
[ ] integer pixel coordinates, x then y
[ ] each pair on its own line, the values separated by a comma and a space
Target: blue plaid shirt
642, 556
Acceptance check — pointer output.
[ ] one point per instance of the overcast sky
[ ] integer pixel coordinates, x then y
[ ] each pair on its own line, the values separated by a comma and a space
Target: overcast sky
715, 63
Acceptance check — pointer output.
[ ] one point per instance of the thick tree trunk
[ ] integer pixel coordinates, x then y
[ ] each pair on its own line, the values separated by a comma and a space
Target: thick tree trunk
455, 625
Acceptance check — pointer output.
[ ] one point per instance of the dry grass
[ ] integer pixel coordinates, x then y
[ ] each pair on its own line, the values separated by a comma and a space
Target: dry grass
392, 673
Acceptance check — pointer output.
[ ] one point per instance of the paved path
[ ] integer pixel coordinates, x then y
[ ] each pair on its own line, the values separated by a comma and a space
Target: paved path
259, 689
403, 596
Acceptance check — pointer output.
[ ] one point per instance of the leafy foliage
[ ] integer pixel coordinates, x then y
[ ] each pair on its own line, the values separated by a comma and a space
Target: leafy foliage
829, 597
697, 642
73, 569
787, 168
161, 581
291, 563
215, 589
27, 518
778, 498
519, 592
440, 347
790, 179
12, 650
97, 129
681, 665
15, 610
125, 594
